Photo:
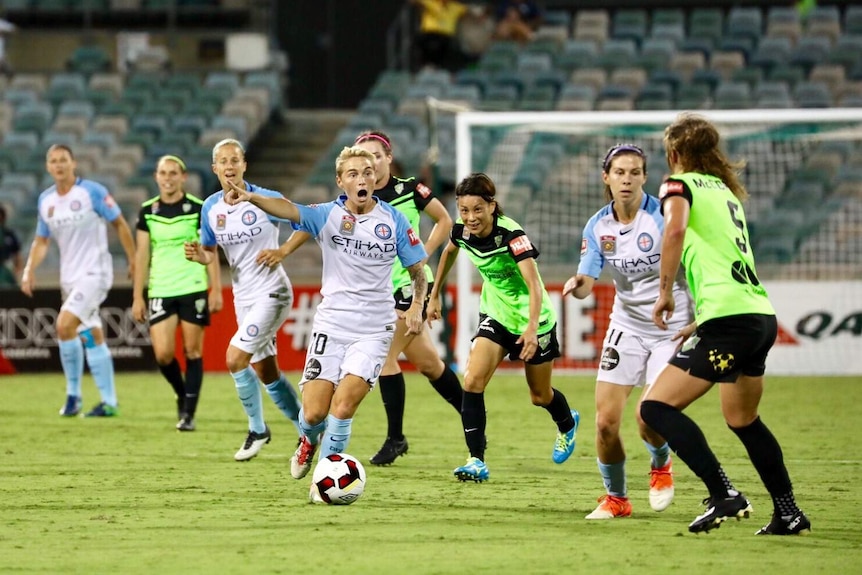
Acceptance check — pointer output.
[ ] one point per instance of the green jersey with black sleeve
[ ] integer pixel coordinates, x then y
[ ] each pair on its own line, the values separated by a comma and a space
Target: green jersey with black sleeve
170, 226
716, 253
410, 197
505, 296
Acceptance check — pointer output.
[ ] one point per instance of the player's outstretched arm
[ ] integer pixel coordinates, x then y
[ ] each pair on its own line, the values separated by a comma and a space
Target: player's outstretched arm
447, 260
413, 317
278, 207
579, 286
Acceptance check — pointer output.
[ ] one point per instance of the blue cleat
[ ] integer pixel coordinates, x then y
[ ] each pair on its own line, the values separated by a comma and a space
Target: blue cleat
103, 410
565, 444
474, 470
72, 407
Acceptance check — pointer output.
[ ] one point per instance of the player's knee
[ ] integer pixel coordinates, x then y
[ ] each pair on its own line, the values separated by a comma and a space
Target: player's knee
236, 359
88, 338
163, 357
607, 426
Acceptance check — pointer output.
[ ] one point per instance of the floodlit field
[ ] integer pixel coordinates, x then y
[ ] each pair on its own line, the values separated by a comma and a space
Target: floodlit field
132, 495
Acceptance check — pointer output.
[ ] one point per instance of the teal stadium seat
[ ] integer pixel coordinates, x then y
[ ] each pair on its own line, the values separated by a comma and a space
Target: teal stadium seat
629, 24
744, 22
812, 95
89, 60
732, 96
810, 51
706, 23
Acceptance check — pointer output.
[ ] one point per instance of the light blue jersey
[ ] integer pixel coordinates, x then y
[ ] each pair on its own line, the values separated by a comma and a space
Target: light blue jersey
359, 251
632, 253
76, 220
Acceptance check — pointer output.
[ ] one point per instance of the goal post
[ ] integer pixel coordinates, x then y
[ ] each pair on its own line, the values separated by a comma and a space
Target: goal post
804, 175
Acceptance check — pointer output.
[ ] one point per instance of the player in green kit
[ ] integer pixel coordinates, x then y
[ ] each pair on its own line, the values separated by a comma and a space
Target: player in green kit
516, 318
706, 232
176, 287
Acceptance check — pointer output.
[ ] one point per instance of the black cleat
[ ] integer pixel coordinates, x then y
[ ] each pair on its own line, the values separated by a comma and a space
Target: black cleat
390, 451
186, 423
719, 510
798, 524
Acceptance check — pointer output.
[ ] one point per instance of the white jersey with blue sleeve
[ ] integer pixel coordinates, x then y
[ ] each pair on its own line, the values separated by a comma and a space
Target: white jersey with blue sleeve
243, 231
76, 221
632, 254
359, 251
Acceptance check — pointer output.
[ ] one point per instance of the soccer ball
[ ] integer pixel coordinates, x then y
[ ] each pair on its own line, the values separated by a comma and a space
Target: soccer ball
338, 479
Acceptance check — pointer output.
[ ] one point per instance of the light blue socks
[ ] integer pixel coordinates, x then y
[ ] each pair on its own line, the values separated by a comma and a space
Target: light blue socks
284, 397
248, 390
614, 477
72, 359
312, 432
336, 437
102, 367
659, 455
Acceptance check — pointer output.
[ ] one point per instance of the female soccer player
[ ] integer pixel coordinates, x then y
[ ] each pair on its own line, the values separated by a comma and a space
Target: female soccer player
515, 318
411, 198
73, 211
262, 296
354, 324
176, 287
625, 236
705, 231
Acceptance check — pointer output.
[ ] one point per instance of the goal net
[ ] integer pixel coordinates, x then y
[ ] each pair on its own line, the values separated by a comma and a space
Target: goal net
804, 176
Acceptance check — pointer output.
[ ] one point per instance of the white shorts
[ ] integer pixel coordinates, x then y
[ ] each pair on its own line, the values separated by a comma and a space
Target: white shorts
258, 326
629, 359
332, 356
84, 298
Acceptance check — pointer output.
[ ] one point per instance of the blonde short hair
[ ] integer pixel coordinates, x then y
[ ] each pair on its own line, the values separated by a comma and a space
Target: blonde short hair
351, 152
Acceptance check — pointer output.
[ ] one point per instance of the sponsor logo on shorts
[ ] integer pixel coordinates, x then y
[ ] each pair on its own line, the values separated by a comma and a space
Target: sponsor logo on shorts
312, 369
610, 359
377, 369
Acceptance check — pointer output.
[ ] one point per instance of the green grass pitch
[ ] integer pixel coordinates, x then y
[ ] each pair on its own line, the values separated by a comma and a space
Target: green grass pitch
132, 495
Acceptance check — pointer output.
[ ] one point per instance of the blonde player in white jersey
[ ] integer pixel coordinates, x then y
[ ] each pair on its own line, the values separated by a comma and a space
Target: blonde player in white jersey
73, 211
262, 295
360, 237
625, 237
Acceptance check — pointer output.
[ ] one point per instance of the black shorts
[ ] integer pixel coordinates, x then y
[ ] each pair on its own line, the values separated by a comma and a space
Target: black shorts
403, 302
549, 347
191, 308
728, 347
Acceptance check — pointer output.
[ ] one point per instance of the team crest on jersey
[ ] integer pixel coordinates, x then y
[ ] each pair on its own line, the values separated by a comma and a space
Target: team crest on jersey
383, 231
645, 242
583, 246
154, 209
465, 233
221, 221
187, 207
252, 330
249, 217
498, 241
423, 190
75, 206
609, 245
399, 188
414, 239
51, 211
348, 225
520, 245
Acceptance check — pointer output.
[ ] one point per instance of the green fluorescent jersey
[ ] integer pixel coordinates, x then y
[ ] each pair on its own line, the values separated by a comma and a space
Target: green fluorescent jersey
505, 296
410, 197
717, 257
169, 226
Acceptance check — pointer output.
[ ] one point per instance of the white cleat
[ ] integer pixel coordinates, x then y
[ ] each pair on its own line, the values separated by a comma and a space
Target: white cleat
252, 445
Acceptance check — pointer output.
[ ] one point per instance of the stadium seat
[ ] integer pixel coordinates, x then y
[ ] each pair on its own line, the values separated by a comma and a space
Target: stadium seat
499, 97
810, 51
595, 77
75, 125
787, 73
591, 25
18, 96
790, 30
847, 51
741, 44
833, 75
616, 53
471, 77
36, 82
538, 97
686, 63
769, 94
63, 86
576, 97
629, 24
732, 96
725, 62
853, 19
669, 77
698, 44
708, 77
745, 22
812, 95
692, 97
654, 97
706, 23
632, 78
89, 60
771, 52
577, 53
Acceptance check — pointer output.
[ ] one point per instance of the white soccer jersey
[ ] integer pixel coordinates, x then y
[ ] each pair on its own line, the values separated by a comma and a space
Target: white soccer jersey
359, 251
243, 231
633, 255
76, 221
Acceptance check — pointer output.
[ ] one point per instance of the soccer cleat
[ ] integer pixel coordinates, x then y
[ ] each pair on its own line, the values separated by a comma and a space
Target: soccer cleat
611, 506
72, 406
103, 410
661, 487
314, 495
186, 423
719, 510
390, 451
565, 444
300, 463
797, 524
474, 470
254, 442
